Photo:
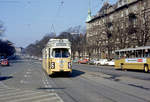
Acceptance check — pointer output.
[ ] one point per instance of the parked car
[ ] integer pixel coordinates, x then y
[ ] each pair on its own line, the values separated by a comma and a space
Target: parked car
92, 62
111, 63
84, 61
75, 61
4, 62
101, 62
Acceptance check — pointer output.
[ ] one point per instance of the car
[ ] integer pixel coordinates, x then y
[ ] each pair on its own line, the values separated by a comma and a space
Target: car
101, 62
75, 61
4, 62
111, 63
84, 61
92, 62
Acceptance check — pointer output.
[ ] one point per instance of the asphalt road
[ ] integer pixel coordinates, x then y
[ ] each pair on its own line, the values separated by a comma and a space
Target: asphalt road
25, 81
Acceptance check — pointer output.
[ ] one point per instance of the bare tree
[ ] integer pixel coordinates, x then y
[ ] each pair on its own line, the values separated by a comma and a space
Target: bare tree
143, 34
2, 29
6, 48
38, 45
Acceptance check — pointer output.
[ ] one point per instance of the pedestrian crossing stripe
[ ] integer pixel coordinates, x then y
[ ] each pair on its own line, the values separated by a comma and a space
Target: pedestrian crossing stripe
19, 95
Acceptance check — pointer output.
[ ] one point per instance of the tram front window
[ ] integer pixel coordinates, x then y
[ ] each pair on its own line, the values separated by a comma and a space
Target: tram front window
60, 53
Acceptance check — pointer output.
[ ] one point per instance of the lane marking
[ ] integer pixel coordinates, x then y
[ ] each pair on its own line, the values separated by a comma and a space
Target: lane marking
44, 82
59, 98
28, 72
10, 90
5, 86
3, 89
31, 98
24, 82
46, 86
5, 95
24, 95
47, 99
27, 76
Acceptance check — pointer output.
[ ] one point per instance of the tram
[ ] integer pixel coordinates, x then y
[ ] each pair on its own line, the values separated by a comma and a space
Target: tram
133, 58
57, 56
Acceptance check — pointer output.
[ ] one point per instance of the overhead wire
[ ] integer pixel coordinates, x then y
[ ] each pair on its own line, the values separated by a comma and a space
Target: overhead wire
56, 16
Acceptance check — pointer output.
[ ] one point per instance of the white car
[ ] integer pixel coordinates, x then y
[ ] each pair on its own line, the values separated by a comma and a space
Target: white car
101, 62
110, 63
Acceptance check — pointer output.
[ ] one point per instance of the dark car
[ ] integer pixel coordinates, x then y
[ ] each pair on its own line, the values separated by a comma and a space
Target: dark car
4, 62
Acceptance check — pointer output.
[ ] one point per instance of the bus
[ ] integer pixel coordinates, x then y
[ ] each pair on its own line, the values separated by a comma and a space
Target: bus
57, 56
133, 58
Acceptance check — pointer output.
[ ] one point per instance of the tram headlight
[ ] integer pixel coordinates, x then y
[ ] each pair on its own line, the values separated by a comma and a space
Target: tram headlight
53, 65
69, 64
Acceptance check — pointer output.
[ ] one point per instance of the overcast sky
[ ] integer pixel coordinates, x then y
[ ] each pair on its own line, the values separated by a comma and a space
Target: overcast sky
29, 20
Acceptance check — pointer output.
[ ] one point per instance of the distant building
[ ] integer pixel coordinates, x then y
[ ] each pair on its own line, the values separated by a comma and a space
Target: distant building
124, 24
18, 50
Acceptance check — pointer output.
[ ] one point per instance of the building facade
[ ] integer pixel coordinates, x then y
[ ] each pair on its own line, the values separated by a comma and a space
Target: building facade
122, 25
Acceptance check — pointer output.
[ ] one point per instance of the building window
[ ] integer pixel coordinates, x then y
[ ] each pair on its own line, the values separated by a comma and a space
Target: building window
121, 13
125, 1
120, 2
127, 12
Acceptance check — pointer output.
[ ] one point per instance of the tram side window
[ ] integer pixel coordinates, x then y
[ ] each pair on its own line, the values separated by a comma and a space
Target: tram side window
49, 52
147, 53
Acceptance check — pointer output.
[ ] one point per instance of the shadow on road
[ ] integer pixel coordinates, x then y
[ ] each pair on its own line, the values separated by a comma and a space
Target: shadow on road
132, 70
47, 88
2, 78
75, 73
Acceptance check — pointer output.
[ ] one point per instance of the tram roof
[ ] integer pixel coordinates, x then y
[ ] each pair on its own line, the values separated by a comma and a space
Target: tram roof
133, 49
55, 42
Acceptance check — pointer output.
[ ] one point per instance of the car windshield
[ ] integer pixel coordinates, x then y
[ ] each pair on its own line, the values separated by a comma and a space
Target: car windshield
60, 53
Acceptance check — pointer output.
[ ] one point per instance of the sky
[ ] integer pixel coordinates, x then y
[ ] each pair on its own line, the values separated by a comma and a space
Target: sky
29, 20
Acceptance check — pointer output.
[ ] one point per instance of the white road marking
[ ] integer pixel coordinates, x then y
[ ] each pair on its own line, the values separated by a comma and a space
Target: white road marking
13, 74
30, 98
47, 99
46, 86
14, 93
47, 82
59, 98
10, 90
23, 95
3, 89
5, 86
44, 82
28, 72
27, 76
24, 82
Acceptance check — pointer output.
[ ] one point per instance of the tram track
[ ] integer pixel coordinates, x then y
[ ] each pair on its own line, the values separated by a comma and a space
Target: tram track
84, 79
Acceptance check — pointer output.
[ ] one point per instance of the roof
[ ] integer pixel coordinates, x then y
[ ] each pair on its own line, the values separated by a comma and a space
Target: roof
101, 13
59, 43
133, 49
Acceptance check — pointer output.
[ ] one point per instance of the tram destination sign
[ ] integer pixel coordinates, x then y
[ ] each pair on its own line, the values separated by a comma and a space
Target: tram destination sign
61, 44
135, 60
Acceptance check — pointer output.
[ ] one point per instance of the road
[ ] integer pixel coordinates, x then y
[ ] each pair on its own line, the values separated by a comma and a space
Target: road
25, 81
